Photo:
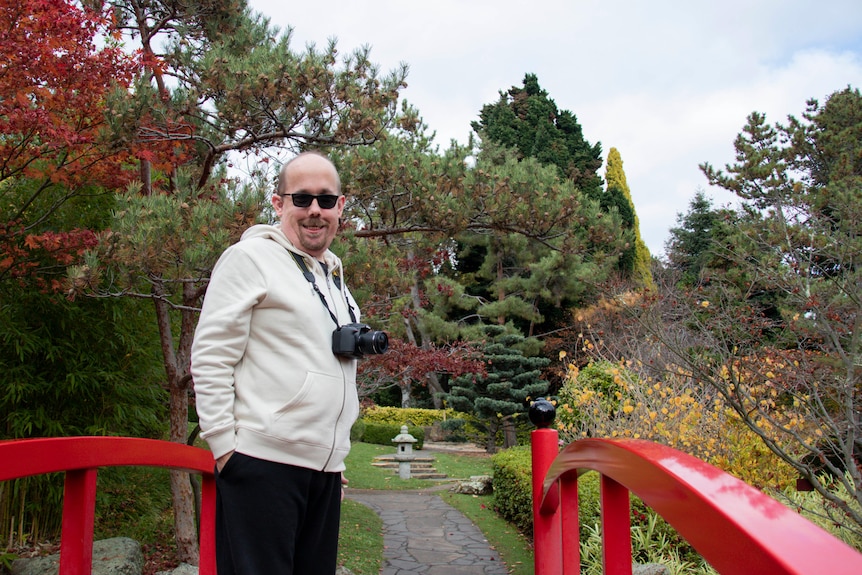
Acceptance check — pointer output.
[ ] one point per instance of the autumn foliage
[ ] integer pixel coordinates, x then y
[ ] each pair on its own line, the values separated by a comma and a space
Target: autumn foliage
54, 81
405, 364
23, 255
53, 85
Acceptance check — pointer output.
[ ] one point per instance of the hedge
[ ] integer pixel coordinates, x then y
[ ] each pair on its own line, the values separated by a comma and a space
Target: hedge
513, 488
408, 415
384, 433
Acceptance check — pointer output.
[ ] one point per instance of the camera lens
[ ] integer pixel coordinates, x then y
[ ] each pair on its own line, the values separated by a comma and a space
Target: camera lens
372, 342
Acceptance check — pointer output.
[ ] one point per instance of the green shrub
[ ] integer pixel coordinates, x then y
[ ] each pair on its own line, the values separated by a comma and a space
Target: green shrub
408, 415
383, 433
357, 432
513, 488
134, 502
455, 429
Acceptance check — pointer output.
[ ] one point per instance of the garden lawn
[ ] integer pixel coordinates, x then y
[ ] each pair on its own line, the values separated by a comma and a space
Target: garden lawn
361, 543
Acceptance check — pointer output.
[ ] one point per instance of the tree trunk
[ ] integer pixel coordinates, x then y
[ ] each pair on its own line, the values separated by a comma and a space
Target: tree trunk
182, 496
510, 433
405, 392
433, 382
146, 178
436, 390
491, 442
177, 369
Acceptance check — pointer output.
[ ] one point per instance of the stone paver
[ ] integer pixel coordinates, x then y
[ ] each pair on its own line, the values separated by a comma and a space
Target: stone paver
424, 535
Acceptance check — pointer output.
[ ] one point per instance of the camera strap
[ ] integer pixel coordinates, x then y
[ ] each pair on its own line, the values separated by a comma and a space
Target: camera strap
309, 276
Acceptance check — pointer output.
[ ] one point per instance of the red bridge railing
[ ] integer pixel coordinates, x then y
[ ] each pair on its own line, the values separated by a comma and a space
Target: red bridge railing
735, 527
80, 458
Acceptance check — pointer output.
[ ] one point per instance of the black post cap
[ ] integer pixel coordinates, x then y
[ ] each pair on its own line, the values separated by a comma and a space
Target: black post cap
542, 413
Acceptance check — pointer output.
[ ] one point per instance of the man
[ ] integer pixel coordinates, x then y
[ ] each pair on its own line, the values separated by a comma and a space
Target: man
274, 402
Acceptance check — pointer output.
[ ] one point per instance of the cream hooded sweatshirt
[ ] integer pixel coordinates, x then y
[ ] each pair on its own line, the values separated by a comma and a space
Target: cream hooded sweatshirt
266, 381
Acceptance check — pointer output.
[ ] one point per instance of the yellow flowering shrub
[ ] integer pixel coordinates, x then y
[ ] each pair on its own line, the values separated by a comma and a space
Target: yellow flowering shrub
607, 399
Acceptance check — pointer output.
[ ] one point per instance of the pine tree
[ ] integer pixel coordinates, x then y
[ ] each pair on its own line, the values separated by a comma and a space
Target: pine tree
528, 120
511, 379
695, 241
526, 141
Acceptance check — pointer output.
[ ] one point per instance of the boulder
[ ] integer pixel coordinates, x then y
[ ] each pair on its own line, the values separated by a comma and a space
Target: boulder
649, 569
183, 569
476, 485
115, 556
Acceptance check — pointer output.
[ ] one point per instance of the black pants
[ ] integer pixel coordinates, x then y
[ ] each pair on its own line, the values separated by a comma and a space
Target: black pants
276, 519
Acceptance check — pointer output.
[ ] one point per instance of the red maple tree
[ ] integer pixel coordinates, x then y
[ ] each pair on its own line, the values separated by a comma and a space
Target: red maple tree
58, 64
53, 85
405, 365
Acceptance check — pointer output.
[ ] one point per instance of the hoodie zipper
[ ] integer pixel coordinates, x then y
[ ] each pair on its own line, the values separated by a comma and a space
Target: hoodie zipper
343, 377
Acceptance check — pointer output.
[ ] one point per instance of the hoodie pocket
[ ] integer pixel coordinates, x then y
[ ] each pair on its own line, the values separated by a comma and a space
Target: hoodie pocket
310, 416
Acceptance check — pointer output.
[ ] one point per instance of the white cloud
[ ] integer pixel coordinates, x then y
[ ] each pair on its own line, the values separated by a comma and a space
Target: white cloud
669, 83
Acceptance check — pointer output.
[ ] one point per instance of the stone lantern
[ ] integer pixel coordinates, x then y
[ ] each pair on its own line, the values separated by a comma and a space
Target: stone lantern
404, 441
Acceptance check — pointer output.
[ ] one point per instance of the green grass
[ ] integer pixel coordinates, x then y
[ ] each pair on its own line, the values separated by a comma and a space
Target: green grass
366, 544
362, 475
360, 543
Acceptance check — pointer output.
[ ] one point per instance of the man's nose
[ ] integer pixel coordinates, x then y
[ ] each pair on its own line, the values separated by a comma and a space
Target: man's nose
314, 207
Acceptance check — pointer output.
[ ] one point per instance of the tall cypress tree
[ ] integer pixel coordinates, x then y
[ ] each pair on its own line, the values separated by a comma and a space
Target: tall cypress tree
635, 261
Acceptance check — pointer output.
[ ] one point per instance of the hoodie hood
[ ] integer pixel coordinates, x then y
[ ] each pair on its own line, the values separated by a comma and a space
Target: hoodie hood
269, 232
275, 234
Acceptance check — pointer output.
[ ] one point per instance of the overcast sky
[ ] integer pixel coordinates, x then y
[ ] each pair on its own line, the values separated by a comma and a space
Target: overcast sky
669, 83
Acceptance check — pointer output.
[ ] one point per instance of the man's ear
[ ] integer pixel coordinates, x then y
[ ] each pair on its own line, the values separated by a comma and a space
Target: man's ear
277, 203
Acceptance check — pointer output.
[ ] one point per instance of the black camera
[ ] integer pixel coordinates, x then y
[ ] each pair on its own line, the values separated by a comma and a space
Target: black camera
358, 339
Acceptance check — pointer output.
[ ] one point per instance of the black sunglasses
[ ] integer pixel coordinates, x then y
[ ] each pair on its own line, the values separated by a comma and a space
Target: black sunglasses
325, 201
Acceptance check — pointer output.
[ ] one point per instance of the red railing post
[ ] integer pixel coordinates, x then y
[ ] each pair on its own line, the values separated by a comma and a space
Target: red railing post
570, 525
547, 525
79, 512
616, 528
207, 564
80, 458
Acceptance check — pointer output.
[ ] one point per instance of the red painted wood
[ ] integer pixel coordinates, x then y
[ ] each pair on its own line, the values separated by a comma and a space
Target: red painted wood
48, 455
207, 564
547, 527
79, 511
80, 458
570, 524
735, 527
616, 528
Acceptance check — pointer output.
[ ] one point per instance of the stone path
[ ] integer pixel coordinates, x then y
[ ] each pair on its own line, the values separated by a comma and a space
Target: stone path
423, 535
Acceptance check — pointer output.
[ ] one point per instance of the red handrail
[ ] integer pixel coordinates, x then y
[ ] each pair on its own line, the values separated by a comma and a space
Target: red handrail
734, 526
80, 458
